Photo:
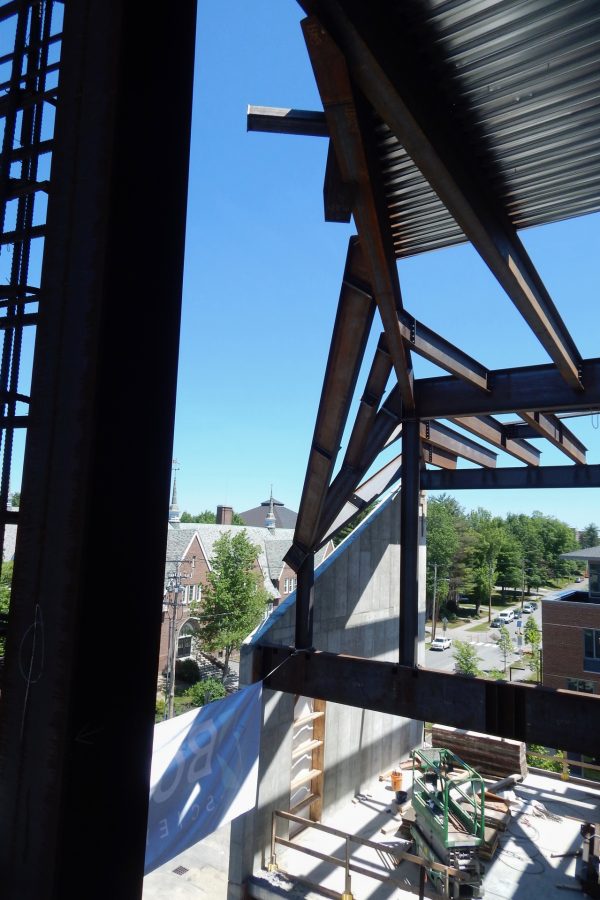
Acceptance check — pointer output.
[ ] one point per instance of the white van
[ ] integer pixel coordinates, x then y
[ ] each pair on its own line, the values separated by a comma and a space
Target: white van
507, 615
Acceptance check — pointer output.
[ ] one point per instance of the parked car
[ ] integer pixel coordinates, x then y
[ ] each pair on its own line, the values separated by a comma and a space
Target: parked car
507, 615
579, 579
528, 608
440, 643
497, 622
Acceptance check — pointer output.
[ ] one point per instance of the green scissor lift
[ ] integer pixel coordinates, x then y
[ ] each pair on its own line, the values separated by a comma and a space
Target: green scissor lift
449, 805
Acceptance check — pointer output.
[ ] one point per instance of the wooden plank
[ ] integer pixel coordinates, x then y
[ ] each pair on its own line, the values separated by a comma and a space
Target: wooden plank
318, 761
304, 779
307, 747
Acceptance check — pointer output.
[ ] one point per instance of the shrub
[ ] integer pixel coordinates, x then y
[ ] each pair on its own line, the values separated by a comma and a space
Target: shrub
187, 670
466, 658
206, 691
550, 765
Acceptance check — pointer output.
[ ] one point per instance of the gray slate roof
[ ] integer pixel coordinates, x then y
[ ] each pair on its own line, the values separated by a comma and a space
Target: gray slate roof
587, 553
271, 547
284, 517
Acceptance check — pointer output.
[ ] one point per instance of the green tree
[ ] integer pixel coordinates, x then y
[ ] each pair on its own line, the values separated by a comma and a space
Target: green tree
590, 536
16, 500
533, 637
354, 522
5, 585
442, 546
509, 571
466, 658
205, 691
490, 534
208, 518
505, 645
234, 600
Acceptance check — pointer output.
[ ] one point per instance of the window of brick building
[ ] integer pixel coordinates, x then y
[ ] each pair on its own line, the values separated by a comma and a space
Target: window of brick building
585, 687
591, 649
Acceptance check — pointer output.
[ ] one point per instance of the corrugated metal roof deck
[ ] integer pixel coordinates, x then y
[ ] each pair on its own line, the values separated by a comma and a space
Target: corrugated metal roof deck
521, 81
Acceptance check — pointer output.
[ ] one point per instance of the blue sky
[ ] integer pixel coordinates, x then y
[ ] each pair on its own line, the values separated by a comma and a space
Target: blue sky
263, 273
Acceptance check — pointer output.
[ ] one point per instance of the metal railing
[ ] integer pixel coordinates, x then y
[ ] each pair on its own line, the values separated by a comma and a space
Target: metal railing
397, 856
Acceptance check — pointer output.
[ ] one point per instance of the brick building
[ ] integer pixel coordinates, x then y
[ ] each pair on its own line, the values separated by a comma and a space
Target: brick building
188, 562
571, 631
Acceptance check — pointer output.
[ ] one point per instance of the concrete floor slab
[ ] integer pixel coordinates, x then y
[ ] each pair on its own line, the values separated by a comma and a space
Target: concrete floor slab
523, 867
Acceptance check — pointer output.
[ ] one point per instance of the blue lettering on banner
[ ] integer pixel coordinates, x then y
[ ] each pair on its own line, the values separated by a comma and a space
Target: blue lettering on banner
204, 773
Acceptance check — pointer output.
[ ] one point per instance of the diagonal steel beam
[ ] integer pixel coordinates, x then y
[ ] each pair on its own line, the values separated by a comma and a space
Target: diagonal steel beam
453, 442
437, 456
368, 492
339, 103
368, 438
438, 350
354, 318
496, 433
455, 178
551, 427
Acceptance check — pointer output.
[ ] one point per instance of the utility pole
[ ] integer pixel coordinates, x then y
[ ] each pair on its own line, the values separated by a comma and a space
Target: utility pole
434, 614
173, 590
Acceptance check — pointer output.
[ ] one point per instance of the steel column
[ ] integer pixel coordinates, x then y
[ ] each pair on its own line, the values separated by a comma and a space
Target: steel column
409, 544
305, 593
79, 692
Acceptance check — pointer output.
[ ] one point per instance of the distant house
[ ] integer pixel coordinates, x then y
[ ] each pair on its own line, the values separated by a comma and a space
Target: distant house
269, 512
190, 549
571, 631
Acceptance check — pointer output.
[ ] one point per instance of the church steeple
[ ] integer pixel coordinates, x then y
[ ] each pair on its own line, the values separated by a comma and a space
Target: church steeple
174, 515
270, 520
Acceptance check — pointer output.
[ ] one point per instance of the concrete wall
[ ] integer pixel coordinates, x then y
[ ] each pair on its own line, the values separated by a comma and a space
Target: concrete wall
357, 594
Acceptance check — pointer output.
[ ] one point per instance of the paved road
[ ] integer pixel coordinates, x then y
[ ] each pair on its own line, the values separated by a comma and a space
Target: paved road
487, 641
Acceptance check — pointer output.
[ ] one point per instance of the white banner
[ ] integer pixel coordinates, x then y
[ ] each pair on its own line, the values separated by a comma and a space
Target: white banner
204, 773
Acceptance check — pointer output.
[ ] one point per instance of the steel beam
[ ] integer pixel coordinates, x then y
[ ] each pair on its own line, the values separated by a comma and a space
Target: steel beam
366, 493
275, 120
520, 478
356, 310
305, 594
534, 714
338, 195
409, 544
438, 350
77, 737
370, 53
446, 439
541, 388
551, 428
499, 435
436, 456
366, 442
339, 103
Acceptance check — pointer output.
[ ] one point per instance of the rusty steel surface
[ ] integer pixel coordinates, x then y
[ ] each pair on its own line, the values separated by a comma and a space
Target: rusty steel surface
523, 712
